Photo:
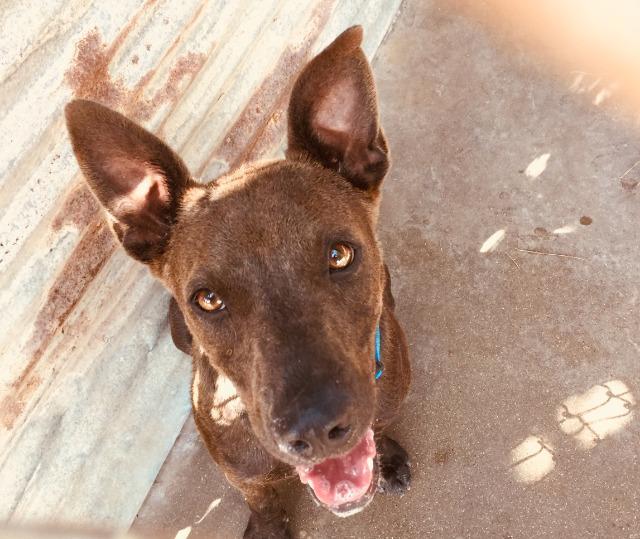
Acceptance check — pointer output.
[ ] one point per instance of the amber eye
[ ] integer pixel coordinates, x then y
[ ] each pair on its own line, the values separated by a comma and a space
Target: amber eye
340, 256
208, 301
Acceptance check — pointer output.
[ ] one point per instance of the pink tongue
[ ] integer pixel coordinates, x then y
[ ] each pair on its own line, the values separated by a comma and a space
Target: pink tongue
342, 479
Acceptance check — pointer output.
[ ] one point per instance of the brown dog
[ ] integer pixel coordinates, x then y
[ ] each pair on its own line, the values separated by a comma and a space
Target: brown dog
279, 290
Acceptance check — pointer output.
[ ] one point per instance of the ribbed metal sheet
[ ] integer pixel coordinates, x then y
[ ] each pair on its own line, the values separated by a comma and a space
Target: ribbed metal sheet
92, 391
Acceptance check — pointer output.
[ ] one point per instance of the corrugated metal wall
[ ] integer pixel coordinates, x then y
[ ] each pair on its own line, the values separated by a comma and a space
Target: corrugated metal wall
92, 391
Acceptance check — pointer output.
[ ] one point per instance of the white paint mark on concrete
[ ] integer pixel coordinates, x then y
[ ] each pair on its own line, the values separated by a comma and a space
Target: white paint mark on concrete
577, 84
183, 533
215, 503
493, 241
601, 96
537, 166
566, 229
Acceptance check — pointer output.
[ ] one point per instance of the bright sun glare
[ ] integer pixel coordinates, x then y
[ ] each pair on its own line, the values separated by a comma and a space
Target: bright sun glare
587, 417
597, 413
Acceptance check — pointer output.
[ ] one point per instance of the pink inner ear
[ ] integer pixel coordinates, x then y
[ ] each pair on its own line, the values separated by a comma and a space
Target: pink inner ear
139, 189
336, 111
152, 186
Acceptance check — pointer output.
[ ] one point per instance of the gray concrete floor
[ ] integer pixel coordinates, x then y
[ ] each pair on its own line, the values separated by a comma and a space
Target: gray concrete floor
522, 420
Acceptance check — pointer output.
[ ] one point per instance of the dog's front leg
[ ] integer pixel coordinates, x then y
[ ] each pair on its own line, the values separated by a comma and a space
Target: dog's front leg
268, 519
250, 469
395, 471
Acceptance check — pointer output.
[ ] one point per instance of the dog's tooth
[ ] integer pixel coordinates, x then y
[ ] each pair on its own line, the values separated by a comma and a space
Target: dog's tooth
370, 444
303, 473
370, 463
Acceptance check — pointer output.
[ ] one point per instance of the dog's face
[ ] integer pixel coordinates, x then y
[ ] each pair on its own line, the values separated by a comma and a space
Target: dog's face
275, 267
279, 277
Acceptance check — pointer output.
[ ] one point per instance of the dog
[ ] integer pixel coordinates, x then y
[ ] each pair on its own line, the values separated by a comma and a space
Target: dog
279, 290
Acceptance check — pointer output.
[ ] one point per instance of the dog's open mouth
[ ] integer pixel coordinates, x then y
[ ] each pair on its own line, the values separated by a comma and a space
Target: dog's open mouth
345, 485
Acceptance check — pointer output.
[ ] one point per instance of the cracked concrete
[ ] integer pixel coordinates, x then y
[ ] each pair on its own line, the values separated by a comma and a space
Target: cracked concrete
522, 420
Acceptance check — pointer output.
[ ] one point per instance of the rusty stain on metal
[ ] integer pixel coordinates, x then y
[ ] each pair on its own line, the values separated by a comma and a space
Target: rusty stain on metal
89, 76
78, 208
187, 66
88, 257
90, 79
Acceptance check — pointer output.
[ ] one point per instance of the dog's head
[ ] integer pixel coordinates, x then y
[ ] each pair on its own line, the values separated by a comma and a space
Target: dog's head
274, 267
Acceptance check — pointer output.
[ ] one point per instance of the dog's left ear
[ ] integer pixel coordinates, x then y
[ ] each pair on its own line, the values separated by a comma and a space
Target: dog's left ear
179, 331
136, 177
333, 114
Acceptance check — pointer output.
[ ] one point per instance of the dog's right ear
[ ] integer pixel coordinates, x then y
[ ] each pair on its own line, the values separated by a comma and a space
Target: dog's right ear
136, 177
333, 114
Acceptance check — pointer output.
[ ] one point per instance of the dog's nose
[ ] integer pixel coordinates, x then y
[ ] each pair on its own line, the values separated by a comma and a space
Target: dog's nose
315, 435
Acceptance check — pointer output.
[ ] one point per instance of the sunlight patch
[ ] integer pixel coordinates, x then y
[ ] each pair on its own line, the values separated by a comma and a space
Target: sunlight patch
532, 460
192, 196
227, 405
195, 390
597, 413
537, 166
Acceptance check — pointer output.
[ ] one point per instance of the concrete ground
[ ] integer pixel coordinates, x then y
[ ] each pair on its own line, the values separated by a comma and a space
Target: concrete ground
522, 419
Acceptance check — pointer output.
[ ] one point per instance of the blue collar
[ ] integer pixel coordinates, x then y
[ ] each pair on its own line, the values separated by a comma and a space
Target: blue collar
379, 365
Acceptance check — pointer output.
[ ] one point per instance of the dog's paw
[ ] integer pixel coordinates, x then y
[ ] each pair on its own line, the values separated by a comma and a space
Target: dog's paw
260, 528
395, 474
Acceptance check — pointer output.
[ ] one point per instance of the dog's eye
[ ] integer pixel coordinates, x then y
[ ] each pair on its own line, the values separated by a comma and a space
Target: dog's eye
208, 301
340, 256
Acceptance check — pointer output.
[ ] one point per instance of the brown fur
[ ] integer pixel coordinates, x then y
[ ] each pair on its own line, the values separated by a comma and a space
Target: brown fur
294, 346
